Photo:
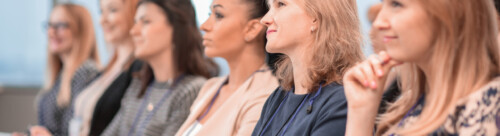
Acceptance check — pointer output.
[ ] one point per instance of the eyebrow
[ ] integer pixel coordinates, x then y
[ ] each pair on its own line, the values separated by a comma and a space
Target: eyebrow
217, 5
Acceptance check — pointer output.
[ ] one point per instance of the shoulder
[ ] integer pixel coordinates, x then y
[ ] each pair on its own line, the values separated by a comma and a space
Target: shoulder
263, 84
88, 66
275, 98
333, 93
189, 86
478, 113
192, 81
87, 69
211, 83
332, 101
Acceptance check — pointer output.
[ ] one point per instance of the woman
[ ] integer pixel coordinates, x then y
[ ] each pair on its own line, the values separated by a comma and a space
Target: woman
96, 106
166, 38
231, 105
72, 64
320, 40
449, 79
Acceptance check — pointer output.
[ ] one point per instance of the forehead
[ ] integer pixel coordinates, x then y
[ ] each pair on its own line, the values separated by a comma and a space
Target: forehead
111, 2
59, 13
229, 4
149, 9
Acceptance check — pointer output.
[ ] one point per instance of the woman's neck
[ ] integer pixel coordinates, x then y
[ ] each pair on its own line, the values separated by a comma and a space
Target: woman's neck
426, 68
299, 61
65, 56
244, 64
123, 53
162, 66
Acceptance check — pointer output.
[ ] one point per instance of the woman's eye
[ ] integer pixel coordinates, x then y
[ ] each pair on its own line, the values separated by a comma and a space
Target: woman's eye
396, 4
281, 4
218, 15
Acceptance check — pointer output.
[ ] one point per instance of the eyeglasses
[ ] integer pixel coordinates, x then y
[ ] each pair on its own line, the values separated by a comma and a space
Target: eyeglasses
58, 26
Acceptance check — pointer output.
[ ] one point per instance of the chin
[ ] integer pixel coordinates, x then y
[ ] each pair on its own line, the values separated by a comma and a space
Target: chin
272, 48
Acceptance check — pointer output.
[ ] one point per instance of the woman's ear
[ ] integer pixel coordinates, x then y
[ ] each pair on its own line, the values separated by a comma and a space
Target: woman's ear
253, 29
314, 26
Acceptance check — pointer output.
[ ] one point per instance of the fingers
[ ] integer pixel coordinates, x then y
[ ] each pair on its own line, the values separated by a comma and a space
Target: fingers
369, 74
387, 62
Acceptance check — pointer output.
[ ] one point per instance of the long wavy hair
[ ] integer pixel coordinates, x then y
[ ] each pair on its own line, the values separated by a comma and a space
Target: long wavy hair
337, 46
464, 57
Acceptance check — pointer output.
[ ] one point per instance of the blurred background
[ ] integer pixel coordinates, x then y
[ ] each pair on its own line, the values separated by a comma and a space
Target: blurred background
23, 45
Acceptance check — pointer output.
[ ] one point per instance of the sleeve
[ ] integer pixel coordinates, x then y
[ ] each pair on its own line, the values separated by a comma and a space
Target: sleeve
480, 115
265, 109
180, 108
333, 117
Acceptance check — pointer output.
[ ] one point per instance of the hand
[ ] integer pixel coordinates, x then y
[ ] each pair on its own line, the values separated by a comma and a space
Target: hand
364, 82
39, 131
363, 87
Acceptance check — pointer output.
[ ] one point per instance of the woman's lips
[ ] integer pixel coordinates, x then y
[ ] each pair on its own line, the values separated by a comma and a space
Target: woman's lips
389, 38
270, 31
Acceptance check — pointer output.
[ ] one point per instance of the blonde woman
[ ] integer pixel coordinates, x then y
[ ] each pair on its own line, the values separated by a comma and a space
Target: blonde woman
98, 103
320, 40
72, 64
450, 76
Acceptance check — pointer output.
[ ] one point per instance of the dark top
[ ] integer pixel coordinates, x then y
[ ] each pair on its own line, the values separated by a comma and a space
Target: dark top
54, 118
390, 96
327, 118
108, 105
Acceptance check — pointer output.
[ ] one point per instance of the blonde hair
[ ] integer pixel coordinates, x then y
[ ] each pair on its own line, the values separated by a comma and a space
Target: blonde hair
464, 57
131, 8
85, 48
337, 46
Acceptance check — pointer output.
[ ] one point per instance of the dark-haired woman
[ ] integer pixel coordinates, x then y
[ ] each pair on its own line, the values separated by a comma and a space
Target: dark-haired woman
166, 38
231, 105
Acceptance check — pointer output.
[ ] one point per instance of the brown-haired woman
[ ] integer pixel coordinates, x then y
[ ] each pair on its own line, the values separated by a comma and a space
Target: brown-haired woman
99, 102
231, 105
167, 39
320, 40
72, 64
450, 77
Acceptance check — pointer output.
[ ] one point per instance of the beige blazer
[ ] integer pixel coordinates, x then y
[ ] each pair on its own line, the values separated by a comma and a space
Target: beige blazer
239, 114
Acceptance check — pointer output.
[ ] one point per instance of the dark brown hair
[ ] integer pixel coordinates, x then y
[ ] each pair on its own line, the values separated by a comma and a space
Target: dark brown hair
188, 58
259, 8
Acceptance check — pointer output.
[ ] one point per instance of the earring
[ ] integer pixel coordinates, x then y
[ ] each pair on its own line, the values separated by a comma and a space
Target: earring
247, 39
313, 28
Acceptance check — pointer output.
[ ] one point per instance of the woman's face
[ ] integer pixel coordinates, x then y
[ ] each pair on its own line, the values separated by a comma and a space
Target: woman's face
225, 28
288, 25
60, 36
152, 33
406, 30
114, 21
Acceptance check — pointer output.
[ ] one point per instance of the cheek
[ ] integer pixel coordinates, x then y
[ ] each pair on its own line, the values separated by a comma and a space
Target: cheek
414, 43
291, 30
227, 38
157, 39
119, 24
